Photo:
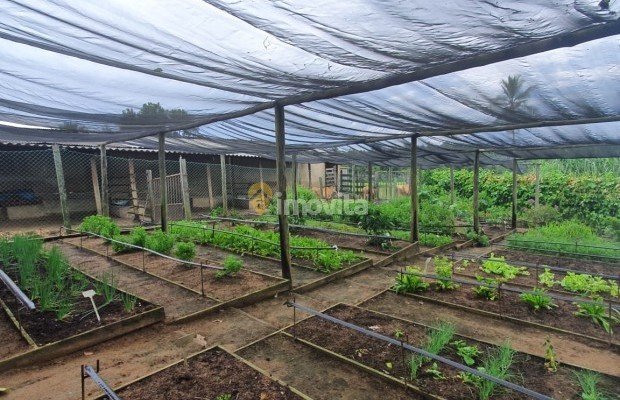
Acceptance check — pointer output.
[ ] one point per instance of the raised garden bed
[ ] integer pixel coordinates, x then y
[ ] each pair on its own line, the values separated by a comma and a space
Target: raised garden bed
392, 360
211, 374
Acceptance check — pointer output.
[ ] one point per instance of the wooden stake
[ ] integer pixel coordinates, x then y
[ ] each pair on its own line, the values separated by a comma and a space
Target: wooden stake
163, 184
134, 191
95, 178
151, 190
537, 191
60, 179
285, 254
105, 195
185, 189
451, 185
513, 223
476, 191
209, 186
413, 182
224, 186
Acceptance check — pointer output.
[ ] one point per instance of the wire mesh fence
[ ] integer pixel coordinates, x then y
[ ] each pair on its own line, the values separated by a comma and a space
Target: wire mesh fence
36, 184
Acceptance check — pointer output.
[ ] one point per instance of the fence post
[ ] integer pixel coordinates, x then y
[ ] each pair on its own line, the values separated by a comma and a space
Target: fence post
209, 186
185, 189
513, 218
163, 182
95, 179
224, 186
134, 190
60, 178
105, 196
151, 193
476, 205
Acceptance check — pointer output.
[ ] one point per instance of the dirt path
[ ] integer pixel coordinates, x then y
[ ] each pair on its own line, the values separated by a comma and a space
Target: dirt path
175, 300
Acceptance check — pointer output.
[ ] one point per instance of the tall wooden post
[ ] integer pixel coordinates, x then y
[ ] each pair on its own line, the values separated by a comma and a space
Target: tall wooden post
134, 191
451, 185
232, 181
370, 181
210, 186
476, 191
62, 191
185, 189
224, 186
105, 194
295, 198
163, 184
513, 223
285, 254
415, 230
151, 191
309, 176
353, 191
537, 192
95, 178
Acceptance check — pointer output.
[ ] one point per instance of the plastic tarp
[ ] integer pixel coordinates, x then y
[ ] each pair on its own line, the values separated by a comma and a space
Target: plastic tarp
83, 63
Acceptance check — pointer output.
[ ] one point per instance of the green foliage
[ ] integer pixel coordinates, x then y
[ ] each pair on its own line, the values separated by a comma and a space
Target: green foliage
160, 242
537, 300
480, 239
467, 353
565, 237
547, 278
433, 240
107, 286
588, 284
436, 340
185, 251
588, 381
139, 236
443, 269
499, 266
486, 292
232, 265
217, 211
225, 396
6, 252
100, 225
543, 215
409, 282
129, 302
599, 314
435, 372
497, 363
119, 244
375, 223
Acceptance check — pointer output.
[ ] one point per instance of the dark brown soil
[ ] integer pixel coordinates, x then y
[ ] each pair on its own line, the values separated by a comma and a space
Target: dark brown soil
527, 371
44, 327
207, 376
509, 304
351, 241
12, 342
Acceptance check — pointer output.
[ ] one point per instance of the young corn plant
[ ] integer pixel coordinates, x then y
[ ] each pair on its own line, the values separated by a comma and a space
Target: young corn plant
537, 300
409, 282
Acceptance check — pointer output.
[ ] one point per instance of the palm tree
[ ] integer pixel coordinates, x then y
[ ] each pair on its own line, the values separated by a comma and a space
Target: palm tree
515, 91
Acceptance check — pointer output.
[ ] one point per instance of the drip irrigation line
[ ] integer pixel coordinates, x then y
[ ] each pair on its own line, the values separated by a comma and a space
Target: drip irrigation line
195, 264
422, 352
17, 292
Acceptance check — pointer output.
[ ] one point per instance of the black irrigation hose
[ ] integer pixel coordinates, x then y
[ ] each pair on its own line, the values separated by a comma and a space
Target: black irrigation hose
195, 264
422, 352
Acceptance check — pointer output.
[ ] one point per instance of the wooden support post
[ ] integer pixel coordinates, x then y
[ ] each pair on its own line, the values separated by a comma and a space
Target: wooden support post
187, 209
210, 186
451, 185
476, 202
105, 194
537, 191
415, 230
285, 254
163, 184
134, 191
370, 181
95, 178
224, 186
62, 191
309, 176
232, 181
295, 198
513, 223
151, 194
262, 182
353, 191
321, 187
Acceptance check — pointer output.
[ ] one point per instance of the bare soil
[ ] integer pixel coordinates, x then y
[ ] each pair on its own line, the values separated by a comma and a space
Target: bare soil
207, 376
390, 359
12, 341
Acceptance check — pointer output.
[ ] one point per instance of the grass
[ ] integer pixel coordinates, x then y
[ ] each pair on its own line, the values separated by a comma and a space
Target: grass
497, 364
588, 382
436, 340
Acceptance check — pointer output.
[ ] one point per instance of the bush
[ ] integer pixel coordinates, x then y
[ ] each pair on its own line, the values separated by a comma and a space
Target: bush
543, 215
160, 242
138, 236
185, 251
119, 244
100, 225
480, 239
231, 265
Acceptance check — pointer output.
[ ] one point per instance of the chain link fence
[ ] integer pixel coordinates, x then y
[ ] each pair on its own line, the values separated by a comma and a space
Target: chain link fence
30, 198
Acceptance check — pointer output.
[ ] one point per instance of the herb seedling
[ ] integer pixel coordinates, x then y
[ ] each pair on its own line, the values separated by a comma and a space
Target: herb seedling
551, 361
